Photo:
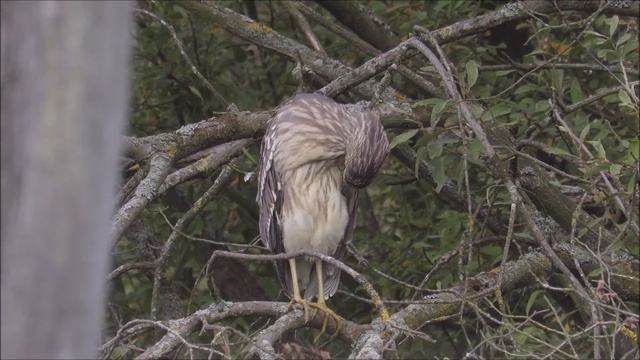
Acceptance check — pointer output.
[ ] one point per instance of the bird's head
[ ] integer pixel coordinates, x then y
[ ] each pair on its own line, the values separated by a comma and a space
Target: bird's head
366, 150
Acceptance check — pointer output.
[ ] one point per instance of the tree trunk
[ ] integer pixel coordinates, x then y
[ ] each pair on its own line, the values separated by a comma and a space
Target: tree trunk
64, 100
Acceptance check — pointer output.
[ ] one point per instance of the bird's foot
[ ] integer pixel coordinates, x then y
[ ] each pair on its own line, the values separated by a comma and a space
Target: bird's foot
321, 305
305, 306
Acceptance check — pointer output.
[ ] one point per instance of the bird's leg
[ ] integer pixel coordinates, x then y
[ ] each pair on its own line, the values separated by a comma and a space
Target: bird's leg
296, 290
321, 305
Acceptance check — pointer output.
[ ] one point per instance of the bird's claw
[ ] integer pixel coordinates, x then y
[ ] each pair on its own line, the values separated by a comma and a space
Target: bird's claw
327, 313
305, 306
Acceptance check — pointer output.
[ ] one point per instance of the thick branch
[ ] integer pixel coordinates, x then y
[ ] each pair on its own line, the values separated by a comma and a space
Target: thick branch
266, 37
144, 193
226, 310
197, 136
521, 10
359, 18
364, 72
217, 156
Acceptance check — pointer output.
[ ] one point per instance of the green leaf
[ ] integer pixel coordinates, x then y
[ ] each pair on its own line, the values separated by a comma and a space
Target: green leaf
593, 167
526, 88
623, 39
634, 148
584, 132
503, 72
434, 149
602, 53
595, 272
557, 79
474, 149
613, 25
402, 138
615, 169
471, 69
624, 98
196, 92
427, 102
575, 91
629, 47
438, 168
499, 110
420, 156
532, 300
557, 151
594, 33
118, 352
437, 111
599, 149
630, 186
541, 105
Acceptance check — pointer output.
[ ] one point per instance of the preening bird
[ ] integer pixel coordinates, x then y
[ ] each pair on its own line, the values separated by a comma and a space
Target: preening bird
315, 155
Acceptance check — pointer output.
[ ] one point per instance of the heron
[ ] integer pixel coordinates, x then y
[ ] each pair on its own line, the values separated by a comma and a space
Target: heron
315, 155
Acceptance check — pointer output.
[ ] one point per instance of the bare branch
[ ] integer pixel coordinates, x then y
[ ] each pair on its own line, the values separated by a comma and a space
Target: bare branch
218, 185
226, 310
581, 67
217, 156
359, 18
144, 193
303, 24
194, 137
375, 298
194, 69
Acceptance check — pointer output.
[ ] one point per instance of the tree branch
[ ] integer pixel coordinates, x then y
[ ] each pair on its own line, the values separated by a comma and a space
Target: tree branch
144, 193
227, 310
218, 185
216, 157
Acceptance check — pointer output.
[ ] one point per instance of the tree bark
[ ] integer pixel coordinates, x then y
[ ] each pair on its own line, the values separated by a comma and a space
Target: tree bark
64, 100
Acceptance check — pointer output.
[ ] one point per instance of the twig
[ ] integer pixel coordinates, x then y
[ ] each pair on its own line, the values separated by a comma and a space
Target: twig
131, 266
493, 162
130, 185
221, 181
364, 72
572, 66
364, 46
194, 69
603, 175
377, 301
551, 168
595, 97
303, 24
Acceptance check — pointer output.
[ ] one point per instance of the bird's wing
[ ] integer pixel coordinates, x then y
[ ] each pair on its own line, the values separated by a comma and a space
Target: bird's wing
269, 200
332, 273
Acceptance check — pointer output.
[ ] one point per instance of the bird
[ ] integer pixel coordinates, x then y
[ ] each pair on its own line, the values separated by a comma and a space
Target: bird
315, 156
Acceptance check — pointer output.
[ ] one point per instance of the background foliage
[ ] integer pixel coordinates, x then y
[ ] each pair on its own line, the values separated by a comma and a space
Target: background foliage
406, 228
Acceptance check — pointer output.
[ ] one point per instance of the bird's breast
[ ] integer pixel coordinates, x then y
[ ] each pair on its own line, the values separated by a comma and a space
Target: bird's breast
315, 213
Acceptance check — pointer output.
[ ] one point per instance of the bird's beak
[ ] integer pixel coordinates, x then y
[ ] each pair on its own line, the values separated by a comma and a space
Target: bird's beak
357, 186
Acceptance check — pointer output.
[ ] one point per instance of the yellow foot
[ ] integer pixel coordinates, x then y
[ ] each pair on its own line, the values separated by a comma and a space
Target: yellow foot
327, 313
305, 306
385, 315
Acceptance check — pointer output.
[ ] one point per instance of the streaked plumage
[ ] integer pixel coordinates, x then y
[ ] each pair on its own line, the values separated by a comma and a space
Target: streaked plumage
315, 154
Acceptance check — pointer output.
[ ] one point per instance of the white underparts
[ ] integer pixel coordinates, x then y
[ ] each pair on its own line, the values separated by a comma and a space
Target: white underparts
317, 218
315, 214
